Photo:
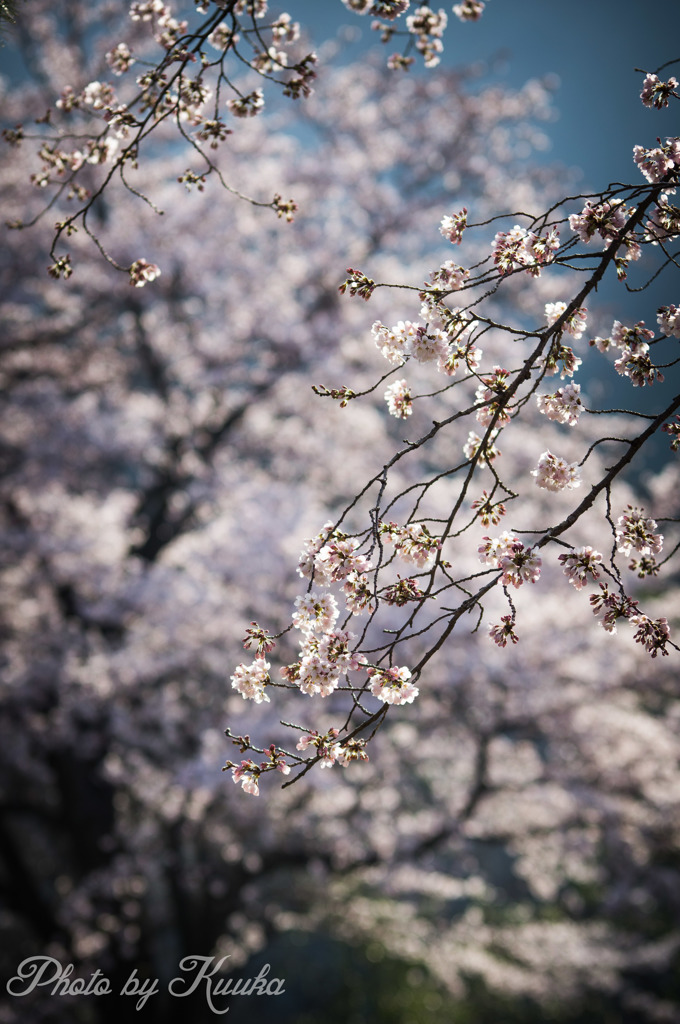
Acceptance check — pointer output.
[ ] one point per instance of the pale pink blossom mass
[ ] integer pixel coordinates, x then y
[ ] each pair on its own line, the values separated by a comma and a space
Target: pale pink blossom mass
574, 323
393, 685
399, 401
563, 405
554, 473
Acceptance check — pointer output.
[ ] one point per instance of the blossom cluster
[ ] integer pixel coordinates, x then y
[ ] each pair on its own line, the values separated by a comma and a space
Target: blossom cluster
447, 345
449, 277
554, 473
453, 226
561, 358
519, 249
469, 10
398, 398
389, 9
413, 543
488, 511
605, 219
653, 633
503, 631
668, 319
393, 685
635, 530
315, 613
326, 653
357, 283
608, 220
259, 638
656, 163
120, 59
663, 224
655, 93
673, 429
609, 607
637, 365
60, 164
490, 391
248, 772
248, 105
325, 744
563, 405
223, 37
323, 660
427, 27
581, 565
574, 324
331, 556
330, 751
401, 592
250, 680
141, 271
518, 564
634, 361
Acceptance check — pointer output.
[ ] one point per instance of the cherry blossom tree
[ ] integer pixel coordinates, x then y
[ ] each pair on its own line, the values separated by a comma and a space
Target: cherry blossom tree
516, 823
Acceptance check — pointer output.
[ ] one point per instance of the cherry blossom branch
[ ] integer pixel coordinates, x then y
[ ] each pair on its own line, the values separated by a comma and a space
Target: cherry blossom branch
449, 337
